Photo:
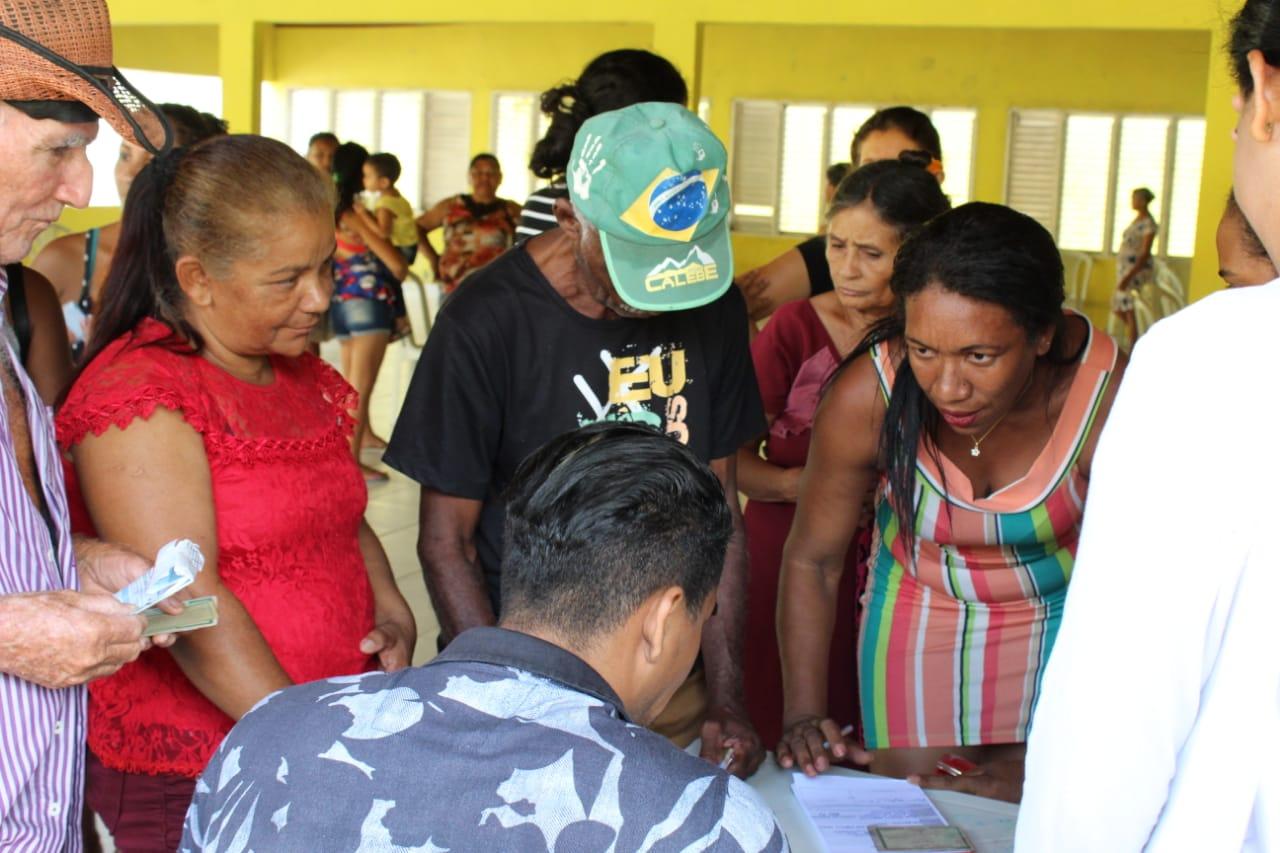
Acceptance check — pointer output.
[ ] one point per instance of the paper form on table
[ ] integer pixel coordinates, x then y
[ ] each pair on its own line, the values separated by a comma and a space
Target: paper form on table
842, 808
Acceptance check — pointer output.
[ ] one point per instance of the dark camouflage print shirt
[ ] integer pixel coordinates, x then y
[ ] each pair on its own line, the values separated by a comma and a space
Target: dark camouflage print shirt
502, 743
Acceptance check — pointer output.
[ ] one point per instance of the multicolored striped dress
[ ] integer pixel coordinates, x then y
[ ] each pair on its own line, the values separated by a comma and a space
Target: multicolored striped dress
954, 639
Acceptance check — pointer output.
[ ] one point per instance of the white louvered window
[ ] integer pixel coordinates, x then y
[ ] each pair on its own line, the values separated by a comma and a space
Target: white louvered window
1141, 162
429, 132
781, 152
957, 130
1034, 166
1076, 172
757, 150
1085, 188
400, 132
356, 115
201, 91
803, 167
518, 124
845, 121
1183, 187
447, 143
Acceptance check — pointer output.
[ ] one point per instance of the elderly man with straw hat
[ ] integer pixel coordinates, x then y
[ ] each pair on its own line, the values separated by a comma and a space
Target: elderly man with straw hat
59, 624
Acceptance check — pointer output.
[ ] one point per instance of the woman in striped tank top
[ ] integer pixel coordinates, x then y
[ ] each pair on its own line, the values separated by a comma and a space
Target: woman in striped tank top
973, 412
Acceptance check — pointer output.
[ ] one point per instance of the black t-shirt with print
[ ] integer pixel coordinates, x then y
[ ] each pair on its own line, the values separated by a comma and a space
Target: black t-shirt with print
509, 365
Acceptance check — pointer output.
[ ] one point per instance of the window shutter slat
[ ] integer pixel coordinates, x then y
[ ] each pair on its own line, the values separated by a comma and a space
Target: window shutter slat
757, 150
448, 145
1035, 164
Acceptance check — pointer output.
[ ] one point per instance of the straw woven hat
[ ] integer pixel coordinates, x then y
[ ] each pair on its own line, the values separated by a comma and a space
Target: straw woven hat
60, 50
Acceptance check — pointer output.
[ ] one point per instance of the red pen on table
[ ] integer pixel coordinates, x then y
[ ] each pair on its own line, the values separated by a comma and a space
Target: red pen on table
955, 765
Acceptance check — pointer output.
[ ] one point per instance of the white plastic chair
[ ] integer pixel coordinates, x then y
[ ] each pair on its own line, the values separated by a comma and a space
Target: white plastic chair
1077, 268
417, 307
1159, 298
409, 348
1172, 292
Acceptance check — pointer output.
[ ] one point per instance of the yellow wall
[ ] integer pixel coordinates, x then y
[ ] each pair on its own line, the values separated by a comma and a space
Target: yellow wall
991, 70
1140, 55
480, 58
190, 49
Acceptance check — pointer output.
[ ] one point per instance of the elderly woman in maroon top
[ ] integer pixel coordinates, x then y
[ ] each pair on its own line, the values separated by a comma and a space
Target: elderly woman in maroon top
872, 211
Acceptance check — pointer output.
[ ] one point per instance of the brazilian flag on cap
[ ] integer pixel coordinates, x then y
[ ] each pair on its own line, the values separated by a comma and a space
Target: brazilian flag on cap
651, 179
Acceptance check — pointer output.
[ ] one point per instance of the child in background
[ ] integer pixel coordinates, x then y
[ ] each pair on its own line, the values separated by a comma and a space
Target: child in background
320, 150
392, 210
394, 216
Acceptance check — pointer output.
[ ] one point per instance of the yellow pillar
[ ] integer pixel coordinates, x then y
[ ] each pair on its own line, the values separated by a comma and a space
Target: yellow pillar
242, 55
1215, 177
989, 154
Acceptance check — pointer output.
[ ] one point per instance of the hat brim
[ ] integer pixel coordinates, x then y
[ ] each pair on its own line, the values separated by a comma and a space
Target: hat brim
31, 72
674, 276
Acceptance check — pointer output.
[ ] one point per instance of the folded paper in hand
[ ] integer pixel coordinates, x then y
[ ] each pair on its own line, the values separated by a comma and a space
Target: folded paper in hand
176, 567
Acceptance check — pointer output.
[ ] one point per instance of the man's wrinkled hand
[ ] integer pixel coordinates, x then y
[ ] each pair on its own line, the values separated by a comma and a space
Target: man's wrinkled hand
106, 568
63, 638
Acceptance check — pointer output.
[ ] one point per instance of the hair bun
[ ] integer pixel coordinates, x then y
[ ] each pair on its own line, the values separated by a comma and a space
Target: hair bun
916, 158
923, 159
559, 99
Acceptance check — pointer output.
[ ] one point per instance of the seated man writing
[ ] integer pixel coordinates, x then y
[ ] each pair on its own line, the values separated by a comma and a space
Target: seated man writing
529, 735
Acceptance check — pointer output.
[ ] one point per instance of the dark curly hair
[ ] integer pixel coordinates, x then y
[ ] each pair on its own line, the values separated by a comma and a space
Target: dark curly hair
611, 81
190, 125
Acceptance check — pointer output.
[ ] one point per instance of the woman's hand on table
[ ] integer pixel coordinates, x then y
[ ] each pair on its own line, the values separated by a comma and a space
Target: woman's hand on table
393, 644
995, 780
729, 728
812, 744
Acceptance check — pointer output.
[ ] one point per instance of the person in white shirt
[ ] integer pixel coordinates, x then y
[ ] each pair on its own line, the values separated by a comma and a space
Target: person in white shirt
1159, 723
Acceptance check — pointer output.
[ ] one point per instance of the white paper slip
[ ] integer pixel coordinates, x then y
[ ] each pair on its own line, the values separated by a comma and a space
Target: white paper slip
843, 808
176, 567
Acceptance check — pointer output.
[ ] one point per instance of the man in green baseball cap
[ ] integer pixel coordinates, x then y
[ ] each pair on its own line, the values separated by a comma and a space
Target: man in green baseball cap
624, 312
651, 180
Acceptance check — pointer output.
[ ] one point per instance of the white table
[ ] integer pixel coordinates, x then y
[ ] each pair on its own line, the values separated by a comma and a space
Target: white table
989, 824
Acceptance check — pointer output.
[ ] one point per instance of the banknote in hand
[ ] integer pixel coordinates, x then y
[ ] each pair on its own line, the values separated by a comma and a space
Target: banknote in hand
196, 613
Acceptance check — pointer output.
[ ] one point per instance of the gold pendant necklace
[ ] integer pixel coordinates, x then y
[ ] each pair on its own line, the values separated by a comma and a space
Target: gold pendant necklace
977, 449
977, 442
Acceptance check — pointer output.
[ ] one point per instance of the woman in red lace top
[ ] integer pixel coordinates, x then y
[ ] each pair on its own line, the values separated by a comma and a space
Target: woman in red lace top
200, 414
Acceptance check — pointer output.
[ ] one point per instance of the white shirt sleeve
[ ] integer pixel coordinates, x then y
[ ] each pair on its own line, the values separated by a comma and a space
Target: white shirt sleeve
1157, 574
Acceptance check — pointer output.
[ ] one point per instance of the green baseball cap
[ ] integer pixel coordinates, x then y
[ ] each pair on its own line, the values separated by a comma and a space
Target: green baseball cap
651, 179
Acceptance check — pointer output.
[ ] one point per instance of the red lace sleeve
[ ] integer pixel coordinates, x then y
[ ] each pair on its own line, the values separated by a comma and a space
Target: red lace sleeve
130, 379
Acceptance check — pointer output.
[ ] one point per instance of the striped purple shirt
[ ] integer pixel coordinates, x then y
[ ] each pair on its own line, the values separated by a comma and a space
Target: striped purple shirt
41, 730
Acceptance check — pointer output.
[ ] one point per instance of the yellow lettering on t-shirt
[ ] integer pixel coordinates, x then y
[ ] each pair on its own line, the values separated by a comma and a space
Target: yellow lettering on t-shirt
625, 376
659, 381
677, 412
